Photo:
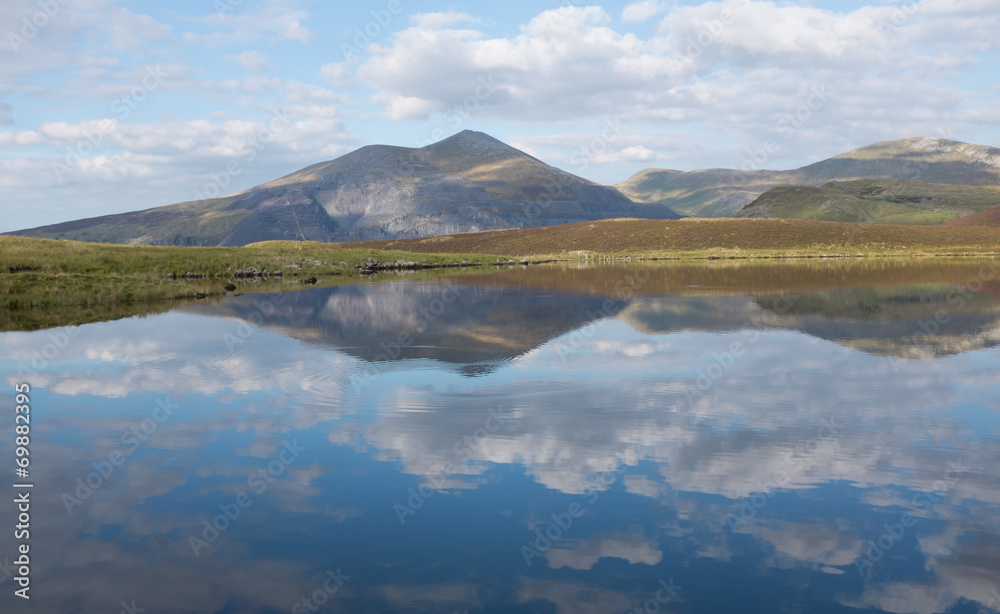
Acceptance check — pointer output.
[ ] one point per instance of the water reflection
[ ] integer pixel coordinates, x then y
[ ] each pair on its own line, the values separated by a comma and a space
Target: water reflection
746, 449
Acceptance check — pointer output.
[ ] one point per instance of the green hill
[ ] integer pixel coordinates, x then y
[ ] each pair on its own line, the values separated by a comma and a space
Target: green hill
875, 201
723, 192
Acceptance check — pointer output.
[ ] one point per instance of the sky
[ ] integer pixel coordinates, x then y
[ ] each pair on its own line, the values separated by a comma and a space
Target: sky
111, 106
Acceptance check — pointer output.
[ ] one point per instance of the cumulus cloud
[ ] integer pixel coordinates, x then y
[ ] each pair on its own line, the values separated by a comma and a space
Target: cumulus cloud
738, 66
638, 153
642, 11
703, 86
163, 162
252, 61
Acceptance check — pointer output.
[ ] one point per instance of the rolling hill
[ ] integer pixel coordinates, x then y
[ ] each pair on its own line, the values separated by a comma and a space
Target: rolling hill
468, 182
723, 192
878, 201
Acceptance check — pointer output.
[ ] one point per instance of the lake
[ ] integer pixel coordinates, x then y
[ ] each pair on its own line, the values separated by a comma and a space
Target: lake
756, 437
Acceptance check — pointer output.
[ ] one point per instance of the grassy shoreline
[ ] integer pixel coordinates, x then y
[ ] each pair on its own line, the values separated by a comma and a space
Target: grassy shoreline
46, 273
70, 276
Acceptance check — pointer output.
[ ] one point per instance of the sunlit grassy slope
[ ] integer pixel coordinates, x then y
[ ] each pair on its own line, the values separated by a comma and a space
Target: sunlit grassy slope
699, 238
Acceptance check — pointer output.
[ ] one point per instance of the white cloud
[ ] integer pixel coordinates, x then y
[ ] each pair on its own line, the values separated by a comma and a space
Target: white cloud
165, 161
562, 60
736, 67
251, 61
338, 73
638, 153
638, 12
293, 30
711, 84
280, 19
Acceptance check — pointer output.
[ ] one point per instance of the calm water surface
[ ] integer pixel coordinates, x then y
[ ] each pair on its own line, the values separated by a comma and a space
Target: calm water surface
787, 438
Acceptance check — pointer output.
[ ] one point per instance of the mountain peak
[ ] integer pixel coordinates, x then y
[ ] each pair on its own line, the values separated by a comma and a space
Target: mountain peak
472, 141
467, 182
927, 148
473, 136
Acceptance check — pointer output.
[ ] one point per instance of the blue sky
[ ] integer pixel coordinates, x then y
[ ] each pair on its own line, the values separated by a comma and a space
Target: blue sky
111, 106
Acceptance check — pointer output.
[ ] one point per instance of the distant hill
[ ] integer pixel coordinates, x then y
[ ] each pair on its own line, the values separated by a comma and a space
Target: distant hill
879, 201
723, 192
468, 182
990, 217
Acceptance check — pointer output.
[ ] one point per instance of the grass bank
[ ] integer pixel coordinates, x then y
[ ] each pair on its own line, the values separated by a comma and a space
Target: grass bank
68, 275
68, 280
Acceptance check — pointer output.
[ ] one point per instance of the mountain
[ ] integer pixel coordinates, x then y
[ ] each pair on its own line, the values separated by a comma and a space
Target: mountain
468, 182
878, 201
723, 192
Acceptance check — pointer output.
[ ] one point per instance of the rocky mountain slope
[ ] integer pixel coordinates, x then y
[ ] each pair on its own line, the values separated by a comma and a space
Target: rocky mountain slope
468, 182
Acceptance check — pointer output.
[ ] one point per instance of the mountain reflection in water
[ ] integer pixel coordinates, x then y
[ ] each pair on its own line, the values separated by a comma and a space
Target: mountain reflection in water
815, 437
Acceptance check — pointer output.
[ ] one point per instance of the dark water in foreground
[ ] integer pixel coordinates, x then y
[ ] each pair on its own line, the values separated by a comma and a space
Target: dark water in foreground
821, 438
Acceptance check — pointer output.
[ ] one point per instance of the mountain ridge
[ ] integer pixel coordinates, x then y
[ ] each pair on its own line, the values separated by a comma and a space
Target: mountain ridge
472, 182
464, 183
723, 192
